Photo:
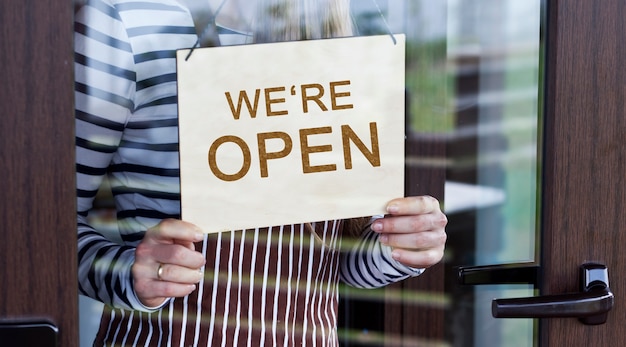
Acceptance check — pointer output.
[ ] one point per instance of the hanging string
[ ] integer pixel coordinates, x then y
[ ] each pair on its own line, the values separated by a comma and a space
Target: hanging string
380, 12
210, 30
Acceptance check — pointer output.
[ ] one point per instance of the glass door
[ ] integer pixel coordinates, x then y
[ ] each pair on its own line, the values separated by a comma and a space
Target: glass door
474, 86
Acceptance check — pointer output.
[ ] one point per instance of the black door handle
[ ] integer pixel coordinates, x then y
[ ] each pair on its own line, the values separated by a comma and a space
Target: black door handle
591, 305
591, 308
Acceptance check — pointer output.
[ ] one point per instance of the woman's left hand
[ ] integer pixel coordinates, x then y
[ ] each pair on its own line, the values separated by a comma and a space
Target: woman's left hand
415, 230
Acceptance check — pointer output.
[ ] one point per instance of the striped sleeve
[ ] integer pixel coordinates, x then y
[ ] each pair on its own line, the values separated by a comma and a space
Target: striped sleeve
367, 263
104, 87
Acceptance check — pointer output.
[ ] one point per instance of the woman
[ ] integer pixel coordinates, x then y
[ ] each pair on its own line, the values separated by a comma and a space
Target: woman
166, 282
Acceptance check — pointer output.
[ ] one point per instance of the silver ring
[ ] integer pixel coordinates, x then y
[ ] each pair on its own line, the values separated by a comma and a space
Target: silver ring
160, 272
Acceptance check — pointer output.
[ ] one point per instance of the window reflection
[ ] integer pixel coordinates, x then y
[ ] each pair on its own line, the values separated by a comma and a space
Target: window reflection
491, 191
473, 86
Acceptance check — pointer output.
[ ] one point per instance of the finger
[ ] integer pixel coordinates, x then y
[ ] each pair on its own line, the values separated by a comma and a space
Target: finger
173, 282
178, 274
404, 224
150, 254
172, 230
166, 273
161, 290
187, 244
418, 259
413, 205
171, 289
410, 223
414, 241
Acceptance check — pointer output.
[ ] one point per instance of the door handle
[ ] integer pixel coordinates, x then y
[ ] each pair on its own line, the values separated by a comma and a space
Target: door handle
591, 305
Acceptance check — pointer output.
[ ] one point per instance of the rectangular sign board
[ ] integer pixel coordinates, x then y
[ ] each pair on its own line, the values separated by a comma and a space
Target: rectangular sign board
292, 132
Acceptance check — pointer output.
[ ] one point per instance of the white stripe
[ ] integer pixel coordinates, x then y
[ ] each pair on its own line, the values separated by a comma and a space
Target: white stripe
129, 326
255, 247
183, 327
122, 314
314, 297
215, 282
160, 325
196, 337
320, 293
150, 330
106, 336
139, 328
240, 281
171, 324
268, 251
289, 292
277, 286
309, 275
229, 283
332, 287
298, 282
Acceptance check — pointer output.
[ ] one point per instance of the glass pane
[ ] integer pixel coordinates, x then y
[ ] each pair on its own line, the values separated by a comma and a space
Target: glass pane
494, 54
473, 81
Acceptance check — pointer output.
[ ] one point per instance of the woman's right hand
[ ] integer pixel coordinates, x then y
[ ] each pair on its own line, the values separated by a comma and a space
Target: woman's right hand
167, 263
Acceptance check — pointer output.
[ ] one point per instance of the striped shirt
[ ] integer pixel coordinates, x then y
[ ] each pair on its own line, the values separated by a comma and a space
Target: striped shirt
266, 286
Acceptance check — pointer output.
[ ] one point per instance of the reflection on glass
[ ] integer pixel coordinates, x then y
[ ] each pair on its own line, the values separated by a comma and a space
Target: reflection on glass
491, 193
473, 85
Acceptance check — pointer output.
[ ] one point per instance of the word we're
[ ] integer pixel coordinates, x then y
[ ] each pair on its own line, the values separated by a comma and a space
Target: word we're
275, 101
275, 96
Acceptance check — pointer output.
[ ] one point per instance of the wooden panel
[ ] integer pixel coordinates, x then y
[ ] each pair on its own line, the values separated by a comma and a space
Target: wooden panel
584, 194
37, 220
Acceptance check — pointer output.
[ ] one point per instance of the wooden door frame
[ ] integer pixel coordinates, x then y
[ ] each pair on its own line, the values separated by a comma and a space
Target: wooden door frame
583, 195
38, 251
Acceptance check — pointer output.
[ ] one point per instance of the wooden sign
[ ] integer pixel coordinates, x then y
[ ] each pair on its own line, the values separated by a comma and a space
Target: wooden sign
294, 132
